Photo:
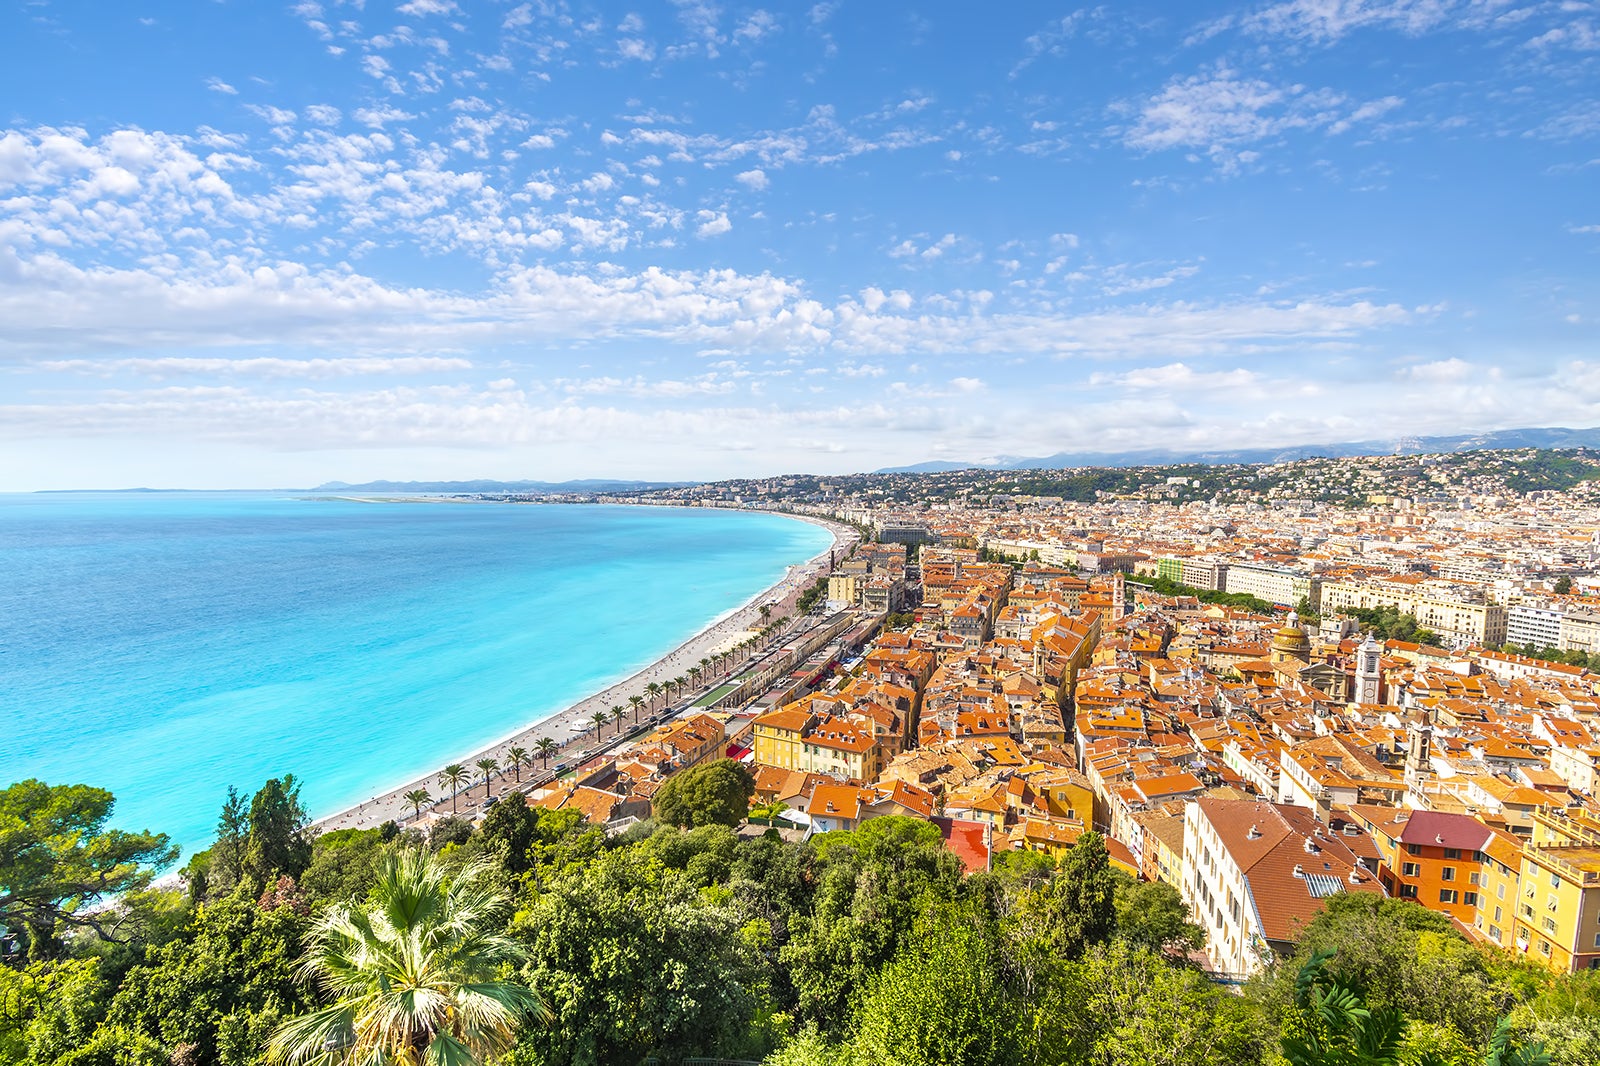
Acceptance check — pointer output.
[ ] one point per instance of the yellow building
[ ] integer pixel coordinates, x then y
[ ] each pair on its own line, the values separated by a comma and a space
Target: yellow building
1499, 874
790, 738
1558, 907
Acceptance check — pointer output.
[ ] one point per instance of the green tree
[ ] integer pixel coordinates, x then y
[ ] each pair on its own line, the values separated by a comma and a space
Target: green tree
227, 853
517, 758
416, 975
487, 767
713, 793
1122, 1005
1153, 916
944, 1000
871, 885
599, 718
344, 865
235, 960
509, 832
635, 961
417, 797
58, 859
1563, 585
1078, 908
547, 747
278, 842
453, 777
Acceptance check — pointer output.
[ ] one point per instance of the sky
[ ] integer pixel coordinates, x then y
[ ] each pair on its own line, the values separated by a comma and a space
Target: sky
250, 244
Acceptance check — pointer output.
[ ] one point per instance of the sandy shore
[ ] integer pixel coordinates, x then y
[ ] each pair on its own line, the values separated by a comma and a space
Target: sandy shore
732, 628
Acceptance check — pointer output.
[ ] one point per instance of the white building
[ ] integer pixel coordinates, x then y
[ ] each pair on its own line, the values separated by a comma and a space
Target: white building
1273, 584
1255, 873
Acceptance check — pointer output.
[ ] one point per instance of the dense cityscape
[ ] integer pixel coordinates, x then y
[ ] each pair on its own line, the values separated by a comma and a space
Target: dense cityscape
1154, 765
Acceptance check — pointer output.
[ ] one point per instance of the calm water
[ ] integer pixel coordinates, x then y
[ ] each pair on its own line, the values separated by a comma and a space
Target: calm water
167, 645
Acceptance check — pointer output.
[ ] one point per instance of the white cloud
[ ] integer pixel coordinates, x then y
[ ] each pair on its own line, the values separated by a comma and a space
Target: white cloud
712, 224
1442, 371
217, 85
420, 8
634, 48
752, 179
258, 367
1176, 376
758, 25
1219, 112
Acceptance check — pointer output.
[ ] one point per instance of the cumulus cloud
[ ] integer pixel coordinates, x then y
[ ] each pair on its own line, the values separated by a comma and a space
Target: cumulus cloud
712, 224
752, 179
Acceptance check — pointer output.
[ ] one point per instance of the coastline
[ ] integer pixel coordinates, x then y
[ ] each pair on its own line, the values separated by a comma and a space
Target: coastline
722, 632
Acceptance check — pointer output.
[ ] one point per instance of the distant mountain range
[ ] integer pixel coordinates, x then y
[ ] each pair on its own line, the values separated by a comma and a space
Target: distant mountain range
1467, 442
590, 485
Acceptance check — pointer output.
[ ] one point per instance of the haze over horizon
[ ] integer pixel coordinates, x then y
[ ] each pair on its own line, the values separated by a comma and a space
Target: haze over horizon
278, 245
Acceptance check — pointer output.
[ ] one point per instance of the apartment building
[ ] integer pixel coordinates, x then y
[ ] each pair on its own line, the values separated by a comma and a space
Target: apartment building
1255, 874
1286, 588
1452, 615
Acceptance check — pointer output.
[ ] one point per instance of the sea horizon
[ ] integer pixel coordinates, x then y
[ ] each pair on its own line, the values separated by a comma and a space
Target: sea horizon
169, 644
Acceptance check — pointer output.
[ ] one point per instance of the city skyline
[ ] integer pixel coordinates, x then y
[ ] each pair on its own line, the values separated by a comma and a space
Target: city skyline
350, 241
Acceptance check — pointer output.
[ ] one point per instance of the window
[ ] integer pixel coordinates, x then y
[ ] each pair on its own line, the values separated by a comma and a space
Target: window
1597, 940
1408, 891
1555, 879
1413, 849
1498, 914
1470, 899
1549, 925
1447, 895
1544, 947
1500, 890
1452, 853
1494, 931
1473, 878
1410, 869
1448, 874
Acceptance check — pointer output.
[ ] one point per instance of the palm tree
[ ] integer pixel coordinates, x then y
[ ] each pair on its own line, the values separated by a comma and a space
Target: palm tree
519, 758
616, 717
655, 690
417, 797
453, 777
414, 974
703, 664
487, 767
599, 718
637, 701
547, 747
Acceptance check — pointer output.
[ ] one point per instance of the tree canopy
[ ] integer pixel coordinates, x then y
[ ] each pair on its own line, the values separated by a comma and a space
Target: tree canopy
713, 793
58, 859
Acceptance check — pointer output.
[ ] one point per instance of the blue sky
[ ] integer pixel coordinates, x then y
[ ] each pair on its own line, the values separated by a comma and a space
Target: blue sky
244, 244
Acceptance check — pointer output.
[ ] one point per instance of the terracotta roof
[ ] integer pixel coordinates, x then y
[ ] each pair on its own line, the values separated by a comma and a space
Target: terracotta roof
1270, 842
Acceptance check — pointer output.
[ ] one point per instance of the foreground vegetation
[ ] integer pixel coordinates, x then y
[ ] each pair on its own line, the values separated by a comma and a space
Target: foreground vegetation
534, 939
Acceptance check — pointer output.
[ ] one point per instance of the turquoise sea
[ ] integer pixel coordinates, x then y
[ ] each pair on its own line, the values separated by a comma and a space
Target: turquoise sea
168, 645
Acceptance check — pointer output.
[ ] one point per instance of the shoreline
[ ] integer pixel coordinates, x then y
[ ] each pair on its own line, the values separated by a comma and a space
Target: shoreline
722, 632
